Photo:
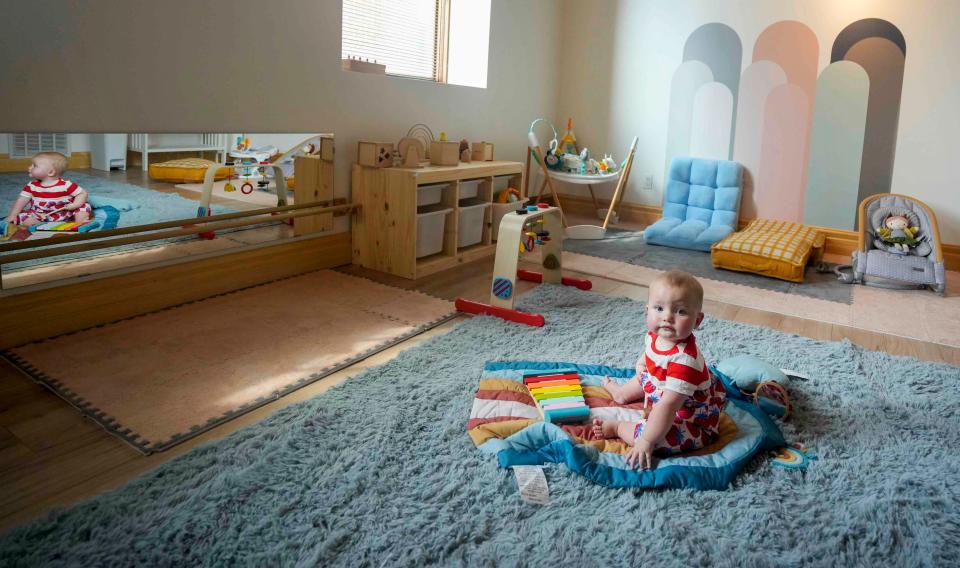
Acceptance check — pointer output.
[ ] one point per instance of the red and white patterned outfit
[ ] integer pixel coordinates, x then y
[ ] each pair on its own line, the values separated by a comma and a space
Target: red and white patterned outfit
47, 202
682, 369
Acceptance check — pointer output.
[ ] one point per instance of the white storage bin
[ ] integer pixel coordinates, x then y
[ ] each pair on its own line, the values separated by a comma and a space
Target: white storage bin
501, 209
429, 194
430, 231
469, 188
470, 223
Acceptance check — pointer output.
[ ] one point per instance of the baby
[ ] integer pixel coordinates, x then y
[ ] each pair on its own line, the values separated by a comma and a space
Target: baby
682, 399
49, 197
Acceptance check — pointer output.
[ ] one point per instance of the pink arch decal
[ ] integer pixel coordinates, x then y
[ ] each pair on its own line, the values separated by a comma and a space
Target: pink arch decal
782, 175
781, 179
758, 80
794, 47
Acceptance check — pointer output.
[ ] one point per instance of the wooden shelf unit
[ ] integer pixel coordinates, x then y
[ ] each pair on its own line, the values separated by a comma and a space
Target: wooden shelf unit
385, 228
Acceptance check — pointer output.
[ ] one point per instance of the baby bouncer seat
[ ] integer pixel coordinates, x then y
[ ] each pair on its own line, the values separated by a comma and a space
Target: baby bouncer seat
898, 245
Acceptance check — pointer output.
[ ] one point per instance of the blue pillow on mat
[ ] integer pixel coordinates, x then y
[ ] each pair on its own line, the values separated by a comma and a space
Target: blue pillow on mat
747, 371
542, 442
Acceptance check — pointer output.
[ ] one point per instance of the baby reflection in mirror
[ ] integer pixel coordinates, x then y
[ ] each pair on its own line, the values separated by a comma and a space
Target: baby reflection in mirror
48, 197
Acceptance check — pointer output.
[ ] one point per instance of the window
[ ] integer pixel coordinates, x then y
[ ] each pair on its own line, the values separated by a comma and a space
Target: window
26, 144
438, 40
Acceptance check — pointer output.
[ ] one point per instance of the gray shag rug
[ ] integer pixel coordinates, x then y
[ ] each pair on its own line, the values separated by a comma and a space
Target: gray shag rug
630, 247
380, 470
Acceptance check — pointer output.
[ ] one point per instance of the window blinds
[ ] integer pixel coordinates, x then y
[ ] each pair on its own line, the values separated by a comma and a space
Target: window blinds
25, 144
401, 34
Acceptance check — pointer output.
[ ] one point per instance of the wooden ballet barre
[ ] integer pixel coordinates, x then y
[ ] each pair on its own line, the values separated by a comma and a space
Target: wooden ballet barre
166, 225
198, 225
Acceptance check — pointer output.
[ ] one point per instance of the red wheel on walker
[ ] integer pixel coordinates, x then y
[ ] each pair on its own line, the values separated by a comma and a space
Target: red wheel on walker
246, 188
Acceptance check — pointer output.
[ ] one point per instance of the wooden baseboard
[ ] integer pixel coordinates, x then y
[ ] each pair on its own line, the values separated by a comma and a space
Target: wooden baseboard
37, 312
76, 161
630, 212
838, 241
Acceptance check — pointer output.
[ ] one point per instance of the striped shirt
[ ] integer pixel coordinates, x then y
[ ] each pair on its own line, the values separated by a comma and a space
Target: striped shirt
51, 198
680, 369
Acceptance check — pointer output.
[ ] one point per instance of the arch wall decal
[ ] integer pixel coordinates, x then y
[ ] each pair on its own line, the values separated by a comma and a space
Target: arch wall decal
863, 29
759, 78
687, 79
772, 115
785, 143
836, 146
883, 62
713, 114
719, 47
780, 180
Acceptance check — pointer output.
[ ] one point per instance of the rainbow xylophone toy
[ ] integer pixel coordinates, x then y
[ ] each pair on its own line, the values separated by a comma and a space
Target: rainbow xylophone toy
68, 226
558, 394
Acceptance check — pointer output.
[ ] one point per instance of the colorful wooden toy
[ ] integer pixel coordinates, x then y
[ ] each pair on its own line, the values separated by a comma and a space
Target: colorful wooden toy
520, 233
559, 396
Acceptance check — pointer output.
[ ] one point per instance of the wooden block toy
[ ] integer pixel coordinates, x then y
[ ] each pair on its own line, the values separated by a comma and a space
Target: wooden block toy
482, 151
559, 396
375, 154
444, 153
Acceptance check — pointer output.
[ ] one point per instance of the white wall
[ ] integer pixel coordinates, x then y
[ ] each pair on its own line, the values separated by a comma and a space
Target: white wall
246, 66
619, 56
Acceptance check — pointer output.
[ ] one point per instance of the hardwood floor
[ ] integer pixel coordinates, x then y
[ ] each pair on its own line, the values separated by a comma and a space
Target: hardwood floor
51, 456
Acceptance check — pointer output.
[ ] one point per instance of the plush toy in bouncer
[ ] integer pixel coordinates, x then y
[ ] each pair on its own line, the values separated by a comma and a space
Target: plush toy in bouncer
896, 234
898, 245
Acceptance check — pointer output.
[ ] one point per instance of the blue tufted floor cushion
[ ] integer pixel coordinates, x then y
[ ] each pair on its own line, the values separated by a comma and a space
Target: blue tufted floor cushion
701, 204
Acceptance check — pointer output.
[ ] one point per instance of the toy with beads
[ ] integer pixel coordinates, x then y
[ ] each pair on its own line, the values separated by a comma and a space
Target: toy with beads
558, 394
522, 232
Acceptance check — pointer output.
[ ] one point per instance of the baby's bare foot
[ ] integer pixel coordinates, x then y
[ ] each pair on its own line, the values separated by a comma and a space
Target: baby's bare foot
614, 389
603, 429
597, 429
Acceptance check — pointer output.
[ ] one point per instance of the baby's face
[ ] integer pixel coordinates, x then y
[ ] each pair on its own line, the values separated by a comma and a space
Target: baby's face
671, 313
41, 169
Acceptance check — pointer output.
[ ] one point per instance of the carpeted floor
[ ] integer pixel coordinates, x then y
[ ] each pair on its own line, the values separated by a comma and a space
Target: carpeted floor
380, 470
630, 247
137, 206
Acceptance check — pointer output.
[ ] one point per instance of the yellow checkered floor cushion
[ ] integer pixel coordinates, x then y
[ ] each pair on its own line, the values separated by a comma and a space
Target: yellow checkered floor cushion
185, 170
779, 249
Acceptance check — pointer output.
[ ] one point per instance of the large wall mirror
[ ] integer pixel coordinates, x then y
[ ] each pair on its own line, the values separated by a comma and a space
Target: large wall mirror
144, 194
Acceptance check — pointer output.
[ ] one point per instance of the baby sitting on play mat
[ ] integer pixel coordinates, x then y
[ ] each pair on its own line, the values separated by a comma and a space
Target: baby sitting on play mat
49, 197
682, 398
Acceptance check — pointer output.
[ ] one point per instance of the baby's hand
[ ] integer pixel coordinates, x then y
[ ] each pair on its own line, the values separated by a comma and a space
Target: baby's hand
641, 454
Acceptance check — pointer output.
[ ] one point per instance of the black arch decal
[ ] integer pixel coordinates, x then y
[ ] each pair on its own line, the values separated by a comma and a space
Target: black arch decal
862, 29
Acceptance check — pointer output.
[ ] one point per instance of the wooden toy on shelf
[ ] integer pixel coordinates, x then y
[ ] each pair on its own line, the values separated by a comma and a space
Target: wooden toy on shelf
514, 235
482, 151
411, 151
375, 154
444, 152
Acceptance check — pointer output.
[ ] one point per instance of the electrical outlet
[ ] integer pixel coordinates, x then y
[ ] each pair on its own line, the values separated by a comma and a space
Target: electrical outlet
648, 182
